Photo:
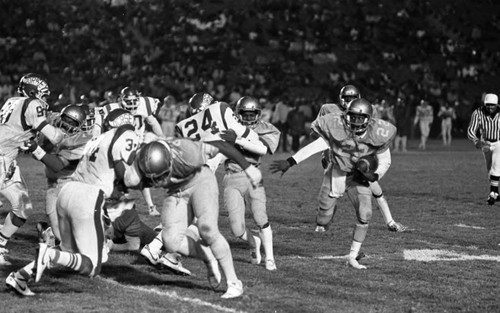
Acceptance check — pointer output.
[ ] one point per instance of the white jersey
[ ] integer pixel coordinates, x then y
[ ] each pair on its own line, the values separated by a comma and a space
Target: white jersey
207, 125
148, 106
97, 166
20, 119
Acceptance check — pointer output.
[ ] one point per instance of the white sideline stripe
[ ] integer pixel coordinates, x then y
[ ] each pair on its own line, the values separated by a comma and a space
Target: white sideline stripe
428, 255
172, 295
469, 226
320, 257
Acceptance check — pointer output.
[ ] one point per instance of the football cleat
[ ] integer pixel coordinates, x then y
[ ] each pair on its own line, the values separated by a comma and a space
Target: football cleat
3, 254
42, 261
353, 262
492, 197
153, 211
234, 290
270, 265
320, 229
396, 227
152, 256
46, 234
213, 273
256, 257
19, 285
173, 262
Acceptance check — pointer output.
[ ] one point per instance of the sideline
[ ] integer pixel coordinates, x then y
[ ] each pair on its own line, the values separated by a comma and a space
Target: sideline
172, 295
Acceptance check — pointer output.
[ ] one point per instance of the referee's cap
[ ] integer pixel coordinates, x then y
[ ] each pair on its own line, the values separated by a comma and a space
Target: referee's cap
491, 98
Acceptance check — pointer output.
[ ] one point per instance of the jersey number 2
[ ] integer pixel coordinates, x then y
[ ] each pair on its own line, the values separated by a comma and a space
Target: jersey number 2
206, 124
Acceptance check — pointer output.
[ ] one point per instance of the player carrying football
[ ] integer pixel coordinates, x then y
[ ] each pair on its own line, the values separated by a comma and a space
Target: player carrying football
349, 136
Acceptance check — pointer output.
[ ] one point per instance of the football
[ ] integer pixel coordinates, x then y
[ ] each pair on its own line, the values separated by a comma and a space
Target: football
367, 163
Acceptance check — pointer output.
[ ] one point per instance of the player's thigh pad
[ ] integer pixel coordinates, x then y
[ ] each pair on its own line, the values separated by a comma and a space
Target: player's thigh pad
79, 207
235, 186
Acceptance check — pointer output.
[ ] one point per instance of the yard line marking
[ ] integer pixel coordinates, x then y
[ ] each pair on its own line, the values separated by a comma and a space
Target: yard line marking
172, 295
428, 255
469, 226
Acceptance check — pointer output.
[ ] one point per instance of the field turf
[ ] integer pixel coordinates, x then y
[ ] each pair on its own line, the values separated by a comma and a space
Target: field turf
448, 262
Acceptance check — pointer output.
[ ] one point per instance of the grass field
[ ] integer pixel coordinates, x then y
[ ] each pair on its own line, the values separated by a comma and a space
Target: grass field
449, 262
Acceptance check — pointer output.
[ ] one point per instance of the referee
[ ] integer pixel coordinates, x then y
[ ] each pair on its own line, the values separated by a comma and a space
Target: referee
484, 132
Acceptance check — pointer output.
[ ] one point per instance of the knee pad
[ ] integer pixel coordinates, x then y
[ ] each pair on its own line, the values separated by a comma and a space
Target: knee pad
324, 216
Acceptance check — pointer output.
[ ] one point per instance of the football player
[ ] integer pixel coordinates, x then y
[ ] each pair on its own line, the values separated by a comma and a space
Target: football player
206, 120
60, 162
239, 193
80, 204
21, 118
192, 194
348, 136
128, 233
143, 110
347, 94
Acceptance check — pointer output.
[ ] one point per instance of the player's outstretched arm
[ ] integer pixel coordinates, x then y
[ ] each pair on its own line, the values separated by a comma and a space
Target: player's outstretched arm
232, 153
50, 160
312, 148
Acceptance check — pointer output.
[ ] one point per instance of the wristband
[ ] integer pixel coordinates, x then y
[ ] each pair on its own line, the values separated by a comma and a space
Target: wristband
39, 153
291, 161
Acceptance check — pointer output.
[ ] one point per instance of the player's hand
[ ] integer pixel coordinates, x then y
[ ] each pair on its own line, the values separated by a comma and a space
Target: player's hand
229, 136
279, 166
29, 146
370, 176
254, 175
483, 145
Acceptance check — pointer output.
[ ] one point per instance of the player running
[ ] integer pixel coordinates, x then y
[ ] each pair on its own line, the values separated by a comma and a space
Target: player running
349, 136
239, 193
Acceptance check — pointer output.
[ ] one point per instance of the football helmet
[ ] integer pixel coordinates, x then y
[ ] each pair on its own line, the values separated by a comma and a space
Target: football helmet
117, 118
248, 111
199, 102
33, 86
347, 94
358, 115
155, 162
88, 125
71, 119
129, 98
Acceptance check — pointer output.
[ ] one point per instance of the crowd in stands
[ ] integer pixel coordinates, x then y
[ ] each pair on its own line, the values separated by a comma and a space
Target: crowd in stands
297, 52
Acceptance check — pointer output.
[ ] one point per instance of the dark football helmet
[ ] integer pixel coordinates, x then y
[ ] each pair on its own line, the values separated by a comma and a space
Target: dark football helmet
88, 125
129, 98
347, 94
117, 118
71, 119
248, 111
199, 102
155, 162
358, 115
33, 86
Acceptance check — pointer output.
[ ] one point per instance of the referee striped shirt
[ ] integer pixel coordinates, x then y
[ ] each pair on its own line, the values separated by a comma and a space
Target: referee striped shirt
484, 125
